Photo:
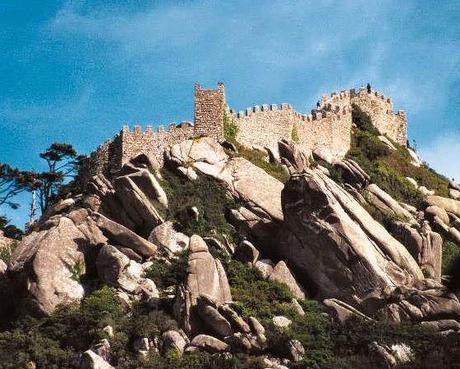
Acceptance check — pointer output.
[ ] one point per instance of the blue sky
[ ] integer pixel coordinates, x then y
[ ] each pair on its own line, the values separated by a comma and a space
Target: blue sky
75, 71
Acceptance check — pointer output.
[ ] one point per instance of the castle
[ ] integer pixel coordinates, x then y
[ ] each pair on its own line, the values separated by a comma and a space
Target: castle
328, 127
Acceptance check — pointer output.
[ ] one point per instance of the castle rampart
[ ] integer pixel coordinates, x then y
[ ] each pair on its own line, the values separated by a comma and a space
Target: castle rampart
378, 106
266, 125
328, 127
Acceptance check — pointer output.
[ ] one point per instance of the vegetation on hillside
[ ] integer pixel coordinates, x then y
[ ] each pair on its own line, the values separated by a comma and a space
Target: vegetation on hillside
328, 345
55, 342
207, 196
260, 159
169, 274
389, 168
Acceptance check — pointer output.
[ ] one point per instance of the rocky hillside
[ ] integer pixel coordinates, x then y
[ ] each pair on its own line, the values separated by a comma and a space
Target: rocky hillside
235, 257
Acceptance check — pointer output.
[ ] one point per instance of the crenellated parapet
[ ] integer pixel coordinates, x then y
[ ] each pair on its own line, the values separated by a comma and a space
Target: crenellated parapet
377, 105
265, 125
150, 142
327, 127
380, 109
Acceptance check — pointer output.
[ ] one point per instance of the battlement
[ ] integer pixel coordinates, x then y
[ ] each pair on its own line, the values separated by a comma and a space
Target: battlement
150, 131
326, 127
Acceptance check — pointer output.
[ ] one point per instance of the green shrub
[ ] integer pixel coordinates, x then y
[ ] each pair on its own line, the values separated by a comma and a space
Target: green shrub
209, 197
5, 252
255, 296
363, 120
165, 275
450, 251
56, 341
389, 168
398, 186
230, 129
313, 330
371, 147
355, 335
102, 307
18, 347
295, 134
77, 270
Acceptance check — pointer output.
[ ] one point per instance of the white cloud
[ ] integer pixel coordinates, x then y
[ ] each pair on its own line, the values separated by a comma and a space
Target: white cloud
443, 154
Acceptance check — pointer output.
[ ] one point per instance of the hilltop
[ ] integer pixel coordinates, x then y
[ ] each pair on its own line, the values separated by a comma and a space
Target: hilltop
266, 238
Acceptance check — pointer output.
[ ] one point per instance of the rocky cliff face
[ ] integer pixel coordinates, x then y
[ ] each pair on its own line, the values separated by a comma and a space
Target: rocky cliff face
330, 234
330, 238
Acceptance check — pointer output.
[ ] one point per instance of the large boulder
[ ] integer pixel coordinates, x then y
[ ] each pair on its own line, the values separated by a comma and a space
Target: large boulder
91, 360
174, 340
454, 194
449, 205
212, 318
48, 264
418, 305
246, 252
140, 193
132, 198
384, 202
206, 156
423, 244
111, 265
435, 211
168, 239
209, 343
261, 216
124, 236
333, 241
352, 173
294, 158
254, 225
282, 274
341, 312
118, 270
206, 276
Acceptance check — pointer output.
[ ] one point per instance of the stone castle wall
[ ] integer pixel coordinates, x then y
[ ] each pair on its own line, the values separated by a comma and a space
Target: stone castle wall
267, 124
328, 127
379, 108
151, 143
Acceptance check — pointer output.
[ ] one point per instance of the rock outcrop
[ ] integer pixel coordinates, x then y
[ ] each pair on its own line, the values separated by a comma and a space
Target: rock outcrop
330, 238
91, 360
282, 274
207, 157
206, 276
49, 263
262, 212
423, 244
168, 239
449, 205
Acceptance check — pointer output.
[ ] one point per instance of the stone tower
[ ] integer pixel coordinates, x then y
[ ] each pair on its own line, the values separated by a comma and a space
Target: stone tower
209, 111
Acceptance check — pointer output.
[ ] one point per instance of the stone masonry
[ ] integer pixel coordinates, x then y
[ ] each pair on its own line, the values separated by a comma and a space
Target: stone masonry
210, 107
266, 125
326, 128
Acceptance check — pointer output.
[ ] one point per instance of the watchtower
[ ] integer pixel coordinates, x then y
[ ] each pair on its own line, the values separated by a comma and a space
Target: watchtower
209, 111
